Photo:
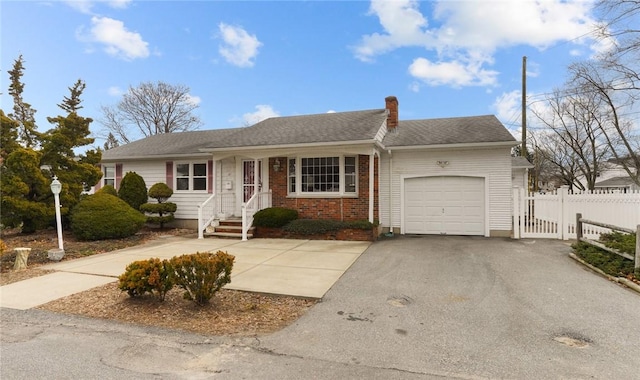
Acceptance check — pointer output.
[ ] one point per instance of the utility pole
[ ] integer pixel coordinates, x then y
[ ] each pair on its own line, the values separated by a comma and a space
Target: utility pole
523, 148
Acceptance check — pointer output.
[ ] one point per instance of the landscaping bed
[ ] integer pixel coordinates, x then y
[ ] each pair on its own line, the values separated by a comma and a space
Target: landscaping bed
609, 263
229, 312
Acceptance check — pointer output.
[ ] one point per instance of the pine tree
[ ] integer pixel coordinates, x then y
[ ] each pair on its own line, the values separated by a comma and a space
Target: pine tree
77, 173
22, 111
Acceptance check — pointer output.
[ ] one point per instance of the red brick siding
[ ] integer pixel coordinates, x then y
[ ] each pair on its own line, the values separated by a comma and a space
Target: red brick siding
326, 208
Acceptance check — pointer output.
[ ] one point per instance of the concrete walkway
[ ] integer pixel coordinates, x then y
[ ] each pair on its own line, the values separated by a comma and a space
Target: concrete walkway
305, 268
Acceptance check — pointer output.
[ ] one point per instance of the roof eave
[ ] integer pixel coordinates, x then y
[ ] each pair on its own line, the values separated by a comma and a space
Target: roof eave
281, 146
153, 157
455, 146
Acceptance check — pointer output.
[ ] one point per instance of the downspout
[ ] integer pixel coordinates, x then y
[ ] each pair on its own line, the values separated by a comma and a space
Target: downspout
390, 233
371, 184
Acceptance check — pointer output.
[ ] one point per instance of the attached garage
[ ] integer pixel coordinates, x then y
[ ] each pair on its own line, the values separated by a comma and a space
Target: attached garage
444, 205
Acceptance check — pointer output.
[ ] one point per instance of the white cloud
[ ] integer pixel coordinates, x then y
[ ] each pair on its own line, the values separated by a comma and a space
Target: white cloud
454, 73
239, 47
115, 91
331, 111
466, 34
120, 4
262, 112
85, 6
195, 100
508, 107
117, 40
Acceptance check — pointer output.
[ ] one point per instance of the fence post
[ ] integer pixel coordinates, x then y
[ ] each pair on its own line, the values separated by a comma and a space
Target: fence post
563, 219
636, 262
516, 212
578, 226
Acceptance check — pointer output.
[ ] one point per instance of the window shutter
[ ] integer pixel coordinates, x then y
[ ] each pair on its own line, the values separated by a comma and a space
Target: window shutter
169, 174
210, 176
118, 175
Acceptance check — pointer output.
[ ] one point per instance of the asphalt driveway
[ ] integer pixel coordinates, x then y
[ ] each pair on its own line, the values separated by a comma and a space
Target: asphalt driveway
469, 307
428, 307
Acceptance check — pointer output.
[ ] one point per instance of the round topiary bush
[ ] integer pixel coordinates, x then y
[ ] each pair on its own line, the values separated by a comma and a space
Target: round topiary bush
274, 217
164, 210
133, 190
103, 216
109, 189
160, 192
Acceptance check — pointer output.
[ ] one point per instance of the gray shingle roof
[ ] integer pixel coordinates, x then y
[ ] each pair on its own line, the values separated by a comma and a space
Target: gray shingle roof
165, 145
307, 129
452, 130
615, 182
520, 162
313, 129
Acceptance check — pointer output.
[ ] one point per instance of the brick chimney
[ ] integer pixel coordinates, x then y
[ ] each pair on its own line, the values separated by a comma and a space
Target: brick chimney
391, 104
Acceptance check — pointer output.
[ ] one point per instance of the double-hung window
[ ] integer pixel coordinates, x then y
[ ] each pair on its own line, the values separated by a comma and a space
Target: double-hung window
191, 176
109, 176
317, 175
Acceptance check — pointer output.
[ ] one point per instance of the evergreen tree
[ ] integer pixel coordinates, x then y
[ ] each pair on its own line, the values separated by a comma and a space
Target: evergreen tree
22, 111
76, 172
29, 159
133, 190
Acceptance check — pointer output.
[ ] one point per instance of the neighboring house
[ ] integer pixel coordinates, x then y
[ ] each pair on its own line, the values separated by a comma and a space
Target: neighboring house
613, 177
434, 176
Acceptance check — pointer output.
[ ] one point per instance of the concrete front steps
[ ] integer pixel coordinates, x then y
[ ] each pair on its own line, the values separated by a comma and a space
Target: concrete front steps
229, 228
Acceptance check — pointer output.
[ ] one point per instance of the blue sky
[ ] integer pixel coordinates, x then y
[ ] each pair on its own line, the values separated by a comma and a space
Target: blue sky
247, 60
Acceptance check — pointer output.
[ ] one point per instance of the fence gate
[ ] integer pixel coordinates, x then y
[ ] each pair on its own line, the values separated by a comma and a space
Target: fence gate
553, 214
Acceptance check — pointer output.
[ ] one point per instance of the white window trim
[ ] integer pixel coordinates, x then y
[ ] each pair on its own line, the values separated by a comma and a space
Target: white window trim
104, 175
191, 176
322, 194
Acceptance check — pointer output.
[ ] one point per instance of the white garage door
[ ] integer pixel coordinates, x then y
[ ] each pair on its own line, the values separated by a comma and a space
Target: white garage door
444, 205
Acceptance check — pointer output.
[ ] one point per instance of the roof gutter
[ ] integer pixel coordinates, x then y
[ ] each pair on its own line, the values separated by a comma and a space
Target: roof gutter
459, 145
152, 158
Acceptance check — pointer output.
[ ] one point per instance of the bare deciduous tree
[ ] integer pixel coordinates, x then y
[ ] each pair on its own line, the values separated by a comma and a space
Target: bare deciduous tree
577, 144
151, 109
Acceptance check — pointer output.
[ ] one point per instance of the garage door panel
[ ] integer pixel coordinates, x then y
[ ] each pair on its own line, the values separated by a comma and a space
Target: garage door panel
445, 205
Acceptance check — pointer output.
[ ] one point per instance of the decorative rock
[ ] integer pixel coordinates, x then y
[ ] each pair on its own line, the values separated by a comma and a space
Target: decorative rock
55, 254
22, 255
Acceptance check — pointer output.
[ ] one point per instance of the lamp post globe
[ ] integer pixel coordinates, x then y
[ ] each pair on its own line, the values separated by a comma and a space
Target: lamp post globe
56, 186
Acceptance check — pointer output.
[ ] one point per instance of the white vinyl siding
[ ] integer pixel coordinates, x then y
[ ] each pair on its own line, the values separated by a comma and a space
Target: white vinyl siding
493, 164
154, 172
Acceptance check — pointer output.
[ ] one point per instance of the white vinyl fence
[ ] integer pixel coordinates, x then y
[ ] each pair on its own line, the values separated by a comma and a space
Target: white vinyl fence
553, 215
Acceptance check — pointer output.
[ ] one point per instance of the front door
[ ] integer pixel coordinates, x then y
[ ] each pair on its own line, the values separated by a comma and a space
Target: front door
251, 178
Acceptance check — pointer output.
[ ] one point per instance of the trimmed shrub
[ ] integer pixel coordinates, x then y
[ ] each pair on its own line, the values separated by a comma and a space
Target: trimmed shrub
147, 276
321, 226
201, 275
109, 189
625, 243
608, 262
133, 190
274, 217
103, 216
160, 192
164, 210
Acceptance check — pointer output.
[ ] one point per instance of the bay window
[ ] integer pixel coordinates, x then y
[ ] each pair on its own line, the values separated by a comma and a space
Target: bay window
317, 175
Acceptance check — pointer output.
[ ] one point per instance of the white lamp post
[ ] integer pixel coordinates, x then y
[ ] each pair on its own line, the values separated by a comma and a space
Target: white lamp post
56, 187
